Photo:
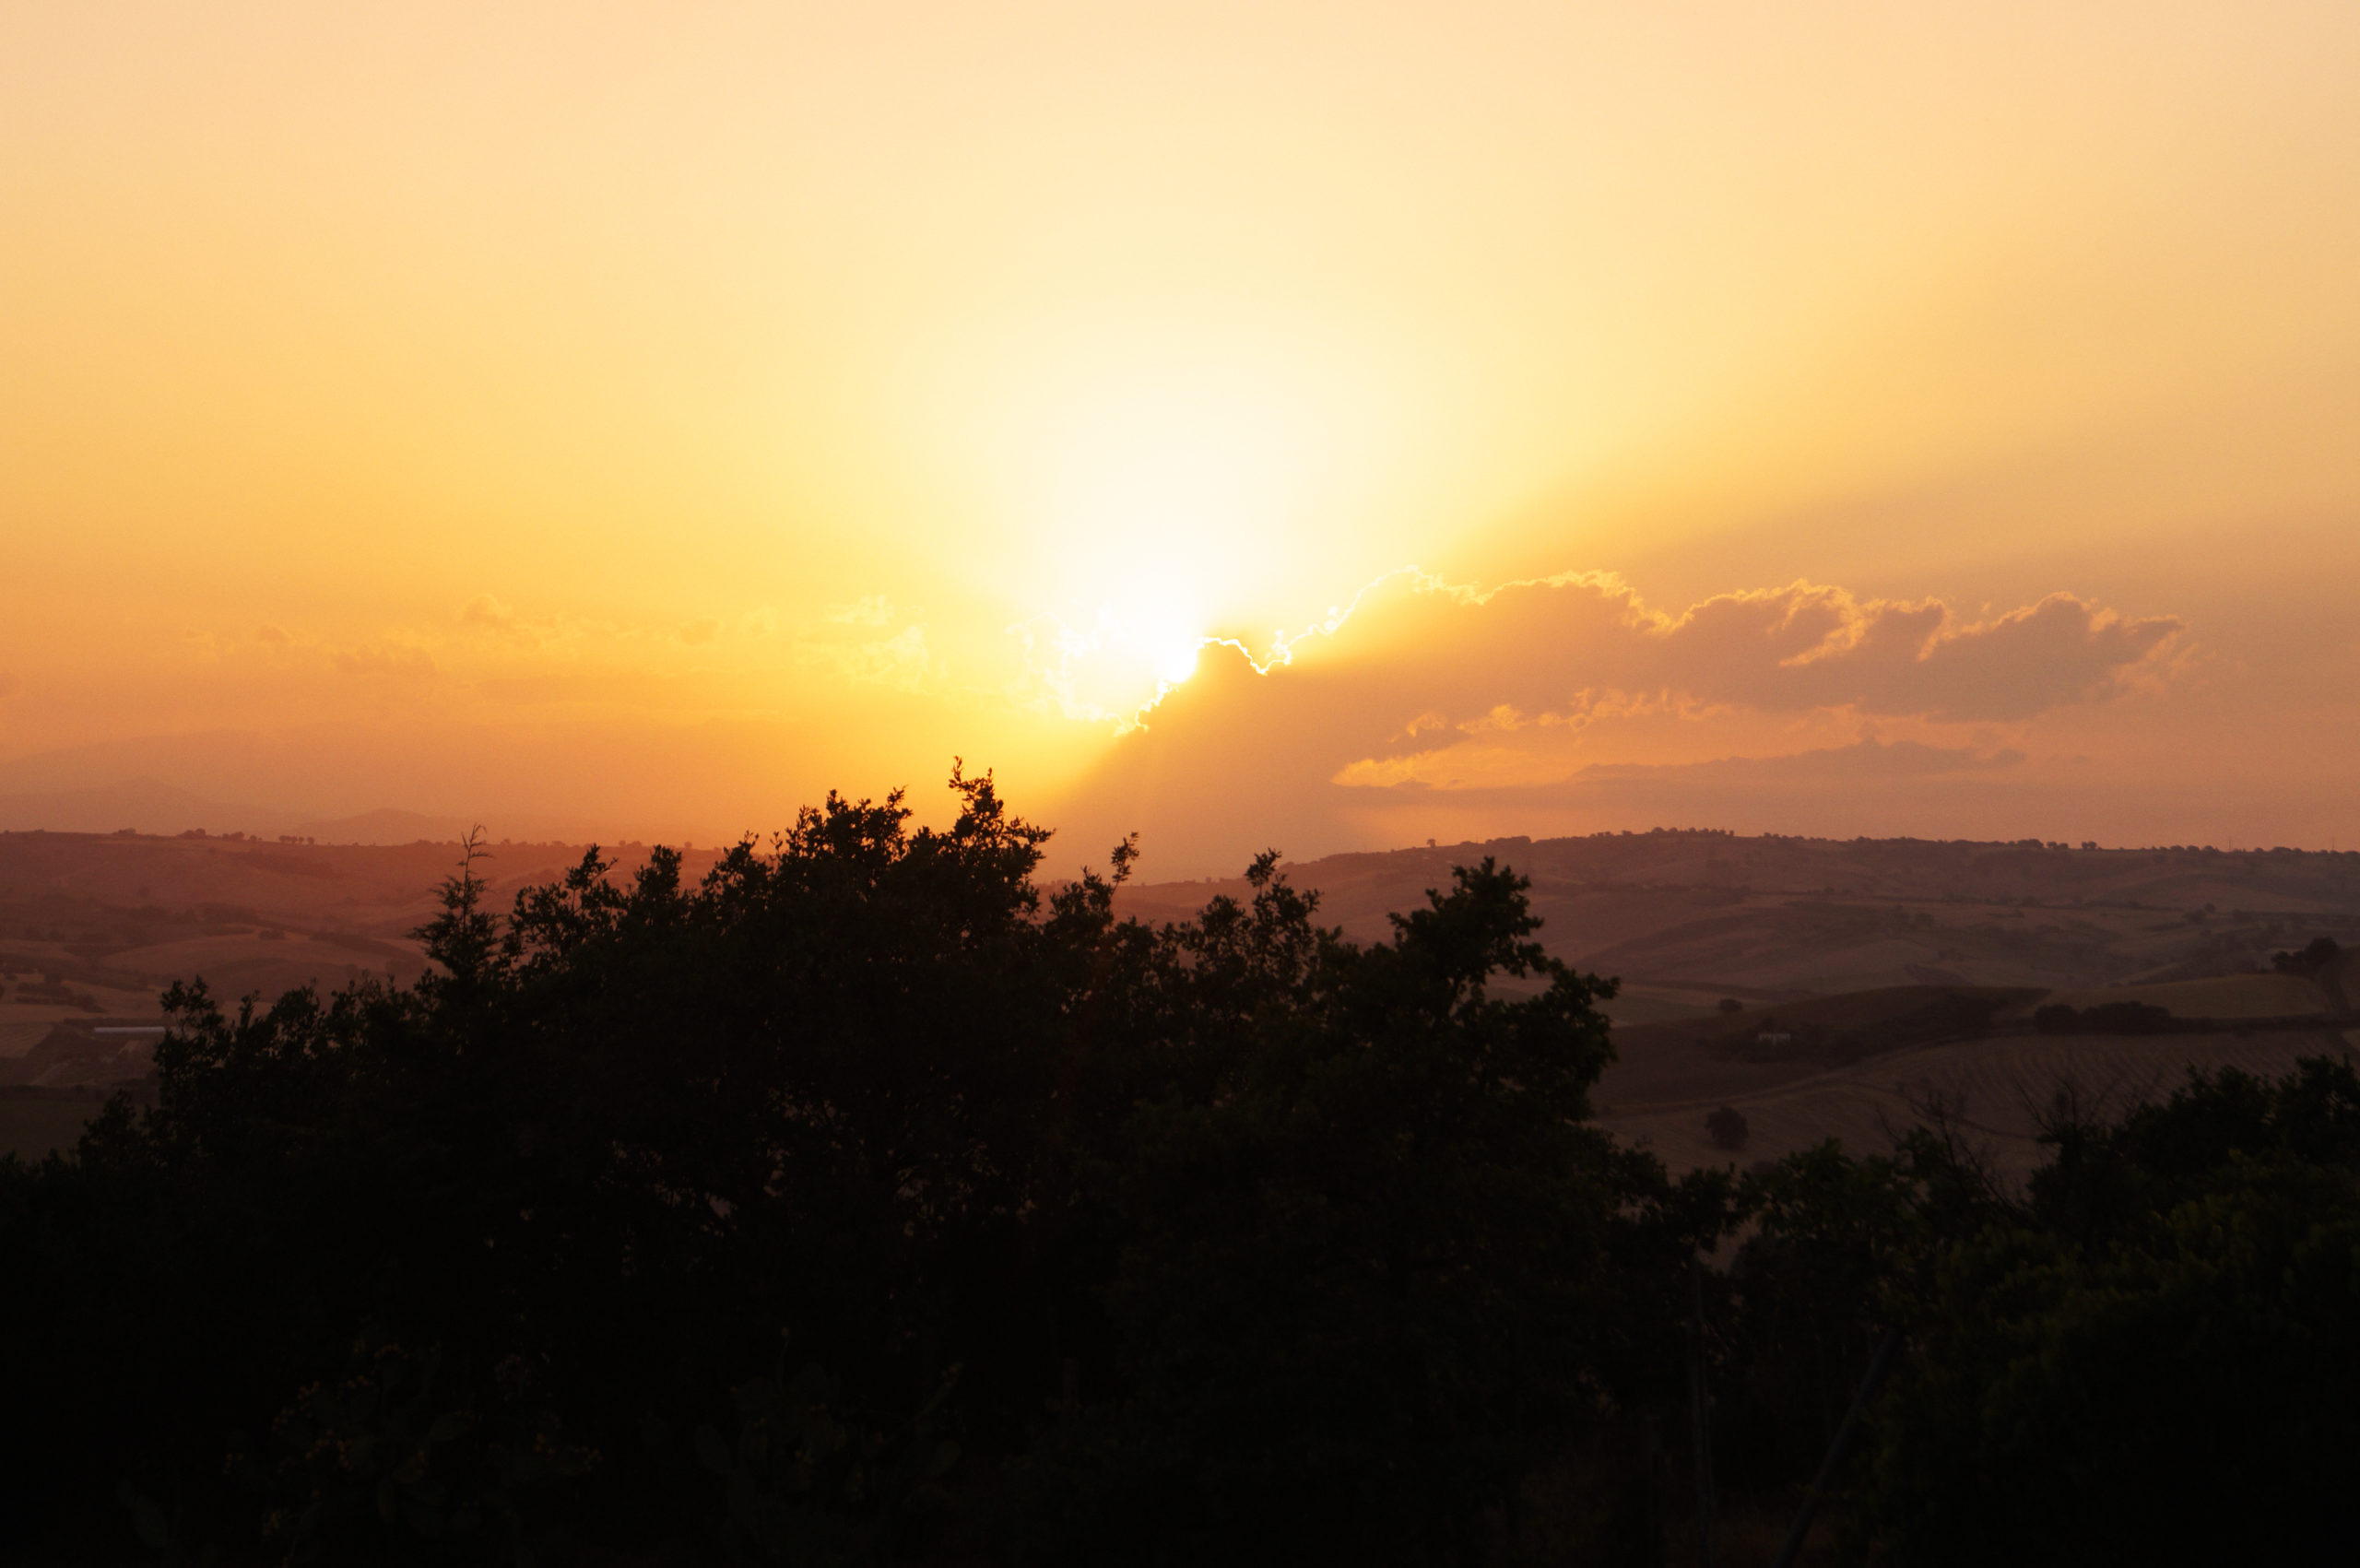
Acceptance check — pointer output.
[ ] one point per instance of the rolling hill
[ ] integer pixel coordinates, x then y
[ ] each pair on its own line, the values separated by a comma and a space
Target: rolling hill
1894, 969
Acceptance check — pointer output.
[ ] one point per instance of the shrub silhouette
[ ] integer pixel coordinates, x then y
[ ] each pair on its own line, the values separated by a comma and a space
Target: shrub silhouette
2311, 959
1103, 1242
1726, 1128
1323, 1224
2086, 1378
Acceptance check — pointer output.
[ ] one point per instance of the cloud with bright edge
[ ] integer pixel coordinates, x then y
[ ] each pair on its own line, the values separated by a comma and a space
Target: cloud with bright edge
1403, 690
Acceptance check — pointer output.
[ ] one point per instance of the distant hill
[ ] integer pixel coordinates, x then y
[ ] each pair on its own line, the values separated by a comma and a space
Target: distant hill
101, 923
152, 807
147, 805
1884, 962
1832, 988
1685, 918
384, 826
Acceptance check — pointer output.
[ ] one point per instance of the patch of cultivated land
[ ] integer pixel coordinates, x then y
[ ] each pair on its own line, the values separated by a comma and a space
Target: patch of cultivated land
1656, 1004
1707, 913
103, 923
2221, 997
1859, 1066
1870, 976
1995, 1086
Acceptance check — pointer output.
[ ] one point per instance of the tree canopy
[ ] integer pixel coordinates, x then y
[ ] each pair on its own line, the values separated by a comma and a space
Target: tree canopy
865, 1200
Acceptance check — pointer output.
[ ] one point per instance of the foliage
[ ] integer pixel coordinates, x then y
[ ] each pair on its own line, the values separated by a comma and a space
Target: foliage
2150, 1359
1726, 1128
2314, 955
390, 1464
1371, 1250
803, 1486
1225, 1238
1321, 1223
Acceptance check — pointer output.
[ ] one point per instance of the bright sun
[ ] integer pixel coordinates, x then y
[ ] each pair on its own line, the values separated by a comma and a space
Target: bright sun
1108, 662
1157, 478
1164, 636
1165, 481
1175, 662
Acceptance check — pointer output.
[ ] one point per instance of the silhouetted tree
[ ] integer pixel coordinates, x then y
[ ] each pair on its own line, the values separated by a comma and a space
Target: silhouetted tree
1320, 1225
864, 1201
2151, 1361
1373, 1260
2313, 956
1726, 1128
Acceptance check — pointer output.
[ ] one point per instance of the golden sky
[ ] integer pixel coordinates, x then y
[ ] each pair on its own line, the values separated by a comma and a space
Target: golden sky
640, 420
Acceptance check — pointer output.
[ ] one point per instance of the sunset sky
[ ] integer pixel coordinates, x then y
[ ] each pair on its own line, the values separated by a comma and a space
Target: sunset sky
637, 420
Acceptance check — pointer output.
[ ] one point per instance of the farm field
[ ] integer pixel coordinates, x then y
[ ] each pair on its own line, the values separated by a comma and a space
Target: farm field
1637, 1004
1690, 917
1995, 1086
2224, 997
98, 926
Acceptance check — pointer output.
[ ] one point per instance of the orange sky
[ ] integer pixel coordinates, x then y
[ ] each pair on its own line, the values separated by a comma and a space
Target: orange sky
639, 420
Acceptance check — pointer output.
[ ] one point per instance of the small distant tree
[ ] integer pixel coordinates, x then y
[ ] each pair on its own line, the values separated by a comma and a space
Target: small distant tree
2310, 959
1726, 1128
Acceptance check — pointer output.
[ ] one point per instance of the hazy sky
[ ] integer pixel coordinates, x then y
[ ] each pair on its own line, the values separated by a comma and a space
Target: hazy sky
642, 419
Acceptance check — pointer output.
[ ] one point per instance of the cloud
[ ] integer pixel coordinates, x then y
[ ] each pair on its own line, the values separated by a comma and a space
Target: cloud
487, 615
1894, 658
1428, 690
1866, 759
902, 660
488, 612
384, 659
873, 610
1554, 648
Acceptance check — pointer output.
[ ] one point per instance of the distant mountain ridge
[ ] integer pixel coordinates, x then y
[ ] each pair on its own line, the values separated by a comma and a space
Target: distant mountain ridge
150, 805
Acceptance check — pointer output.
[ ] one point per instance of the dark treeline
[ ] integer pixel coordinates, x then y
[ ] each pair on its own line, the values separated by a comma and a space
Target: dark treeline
864, 1204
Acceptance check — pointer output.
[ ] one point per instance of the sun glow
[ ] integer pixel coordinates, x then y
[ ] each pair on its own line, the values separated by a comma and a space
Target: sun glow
1177, 661
1173, 476
1117, 659
1174, 484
